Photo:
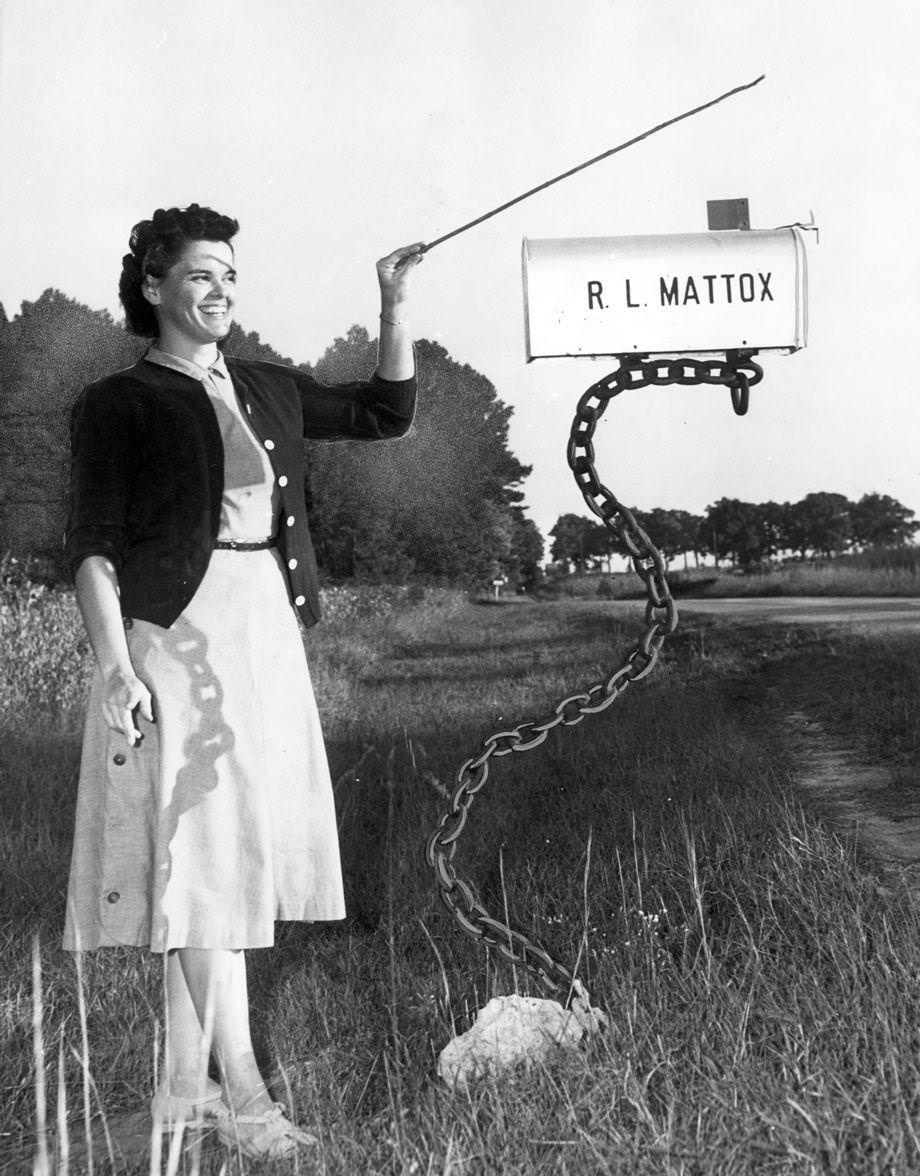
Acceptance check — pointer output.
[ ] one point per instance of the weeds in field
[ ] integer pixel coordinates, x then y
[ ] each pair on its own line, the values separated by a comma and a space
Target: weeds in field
44, 664
835, 578
763, 993
882, 572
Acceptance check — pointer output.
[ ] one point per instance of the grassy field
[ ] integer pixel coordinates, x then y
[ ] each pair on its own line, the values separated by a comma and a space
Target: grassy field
891, 571
761, 987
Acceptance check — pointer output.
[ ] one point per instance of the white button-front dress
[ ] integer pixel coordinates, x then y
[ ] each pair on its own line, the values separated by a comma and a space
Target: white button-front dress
222, 820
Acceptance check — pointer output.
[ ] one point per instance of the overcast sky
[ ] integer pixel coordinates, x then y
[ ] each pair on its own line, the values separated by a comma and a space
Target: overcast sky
335, 130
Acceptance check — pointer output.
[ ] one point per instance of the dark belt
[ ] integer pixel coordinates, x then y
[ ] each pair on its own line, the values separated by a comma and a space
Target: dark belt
239, 545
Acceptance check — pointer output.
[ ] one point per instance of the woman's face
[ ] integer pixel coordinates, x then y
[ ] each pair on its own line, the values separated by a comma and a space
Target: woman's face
194, 301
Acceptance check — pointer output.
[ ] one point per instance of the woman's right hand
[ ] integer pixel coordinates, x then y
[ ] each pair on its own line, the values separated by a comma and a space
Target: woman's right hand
124, 694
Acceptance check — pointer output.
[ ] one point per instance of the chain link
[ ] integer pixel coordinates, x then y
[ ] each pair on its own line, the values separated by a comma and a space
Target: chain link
739, 373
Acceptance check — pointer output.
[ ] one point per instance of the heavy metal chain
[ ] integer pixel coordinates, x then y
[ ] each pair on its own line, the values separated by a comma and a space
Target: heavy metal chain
458, 894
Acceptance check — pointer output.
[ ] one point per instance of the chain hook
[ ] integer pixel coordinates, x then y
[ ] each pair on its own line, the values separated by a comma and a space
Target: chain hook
740, 388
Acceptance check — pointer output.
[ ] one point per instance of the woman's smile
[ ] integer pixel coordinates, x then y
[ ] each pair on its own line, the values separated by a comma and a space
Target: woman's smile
218, 311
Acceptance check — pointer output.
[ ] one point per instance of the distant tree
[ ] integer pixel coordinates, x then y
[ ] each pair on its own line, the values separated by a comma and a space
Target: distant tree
795, 528
664, 530
248, 345
878, 520
54, 347
689, 529
773, 523
580, 540
673, 532
820, 523
527, 546
739, 530
694, 526
587, 542
349, 357
48, 352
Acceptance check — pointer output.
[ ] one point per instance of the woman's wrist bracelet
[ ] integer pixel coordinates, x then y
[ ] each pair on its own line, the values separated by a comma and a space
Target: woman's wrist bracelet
393, 322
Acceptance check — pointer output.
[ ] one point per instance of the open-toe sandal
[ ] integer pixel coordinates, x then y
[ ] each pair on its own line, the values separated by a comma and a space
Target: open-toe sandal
269, 1136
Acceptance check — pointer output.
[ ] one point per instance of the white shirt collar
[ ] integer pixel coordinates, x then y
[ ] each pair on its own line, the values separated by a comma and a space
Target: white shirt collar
186, 366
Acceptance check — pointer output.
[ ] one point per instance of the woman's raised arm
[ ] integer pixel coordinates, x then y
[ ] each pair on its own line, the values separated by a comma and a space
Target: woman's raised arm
395, 358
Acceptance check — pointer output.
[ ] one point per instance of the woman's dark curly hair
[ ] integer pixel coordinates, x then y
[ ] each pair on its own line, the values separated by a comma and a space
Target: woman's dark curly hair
157, 244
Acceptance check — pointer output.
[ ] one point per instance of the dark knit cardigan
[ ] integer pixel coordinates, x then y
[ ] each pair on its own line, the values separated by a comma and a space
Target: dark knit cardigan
147, 471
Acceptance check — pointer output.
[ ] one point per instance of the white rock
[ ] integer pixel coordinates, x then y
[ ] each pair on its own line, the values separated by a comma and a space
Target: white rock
515, 1030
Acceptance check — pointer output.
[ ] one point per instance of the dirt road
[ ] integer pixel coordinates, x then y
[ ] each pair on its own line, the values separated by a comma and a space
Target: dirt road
881, 808
870, 612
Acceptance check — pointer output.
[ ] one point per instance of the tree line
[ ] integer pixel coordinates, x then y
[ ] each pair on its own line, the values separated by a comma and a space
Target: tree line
444, 504
821, 524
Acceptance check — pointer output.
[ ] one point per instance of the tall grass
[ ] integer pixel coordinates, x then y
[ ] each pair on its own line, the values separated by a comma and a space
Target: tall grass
761, 988
843, 577
879, 572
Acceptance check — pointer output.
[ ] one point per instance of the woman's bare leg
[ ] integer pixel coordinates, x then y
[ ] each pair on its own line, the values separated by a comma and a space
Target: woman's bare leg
215, 981
187, 1047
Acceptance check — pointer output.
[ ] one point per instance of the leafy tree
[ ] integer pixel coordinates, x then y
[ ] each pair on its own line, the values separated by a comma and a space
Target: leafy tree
54, 347
569, 539
526, 549
248, 345
673, 532
48, 352
878, 520
795, 530
739, 530
663, 530
583, 541
579, 540
689, 529
774, 518
442, 498
820, 522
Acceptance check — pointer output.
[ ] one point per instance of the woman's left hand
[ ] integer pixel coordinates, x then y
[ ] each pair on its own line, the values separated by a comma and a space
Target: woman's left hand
395, 354
393, 273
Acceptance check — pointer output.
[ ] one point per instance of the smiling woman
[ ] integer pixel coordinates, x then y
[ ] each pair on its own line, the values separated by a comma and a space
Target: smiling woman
179, 260
205, 809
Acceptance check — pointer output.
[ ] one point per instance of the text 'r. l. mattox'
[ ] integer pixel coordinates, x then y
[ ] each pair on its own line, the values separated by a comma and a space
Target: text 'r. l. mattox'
699, 290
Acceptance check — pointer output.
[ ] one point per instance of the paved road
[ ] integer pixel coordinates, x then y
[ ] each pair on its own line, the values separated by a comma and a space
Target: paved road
870, 612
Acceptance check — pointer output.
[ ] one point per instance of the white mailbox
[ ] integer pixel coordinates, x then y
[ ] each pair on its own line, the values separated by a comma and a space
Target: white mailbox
675, 294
